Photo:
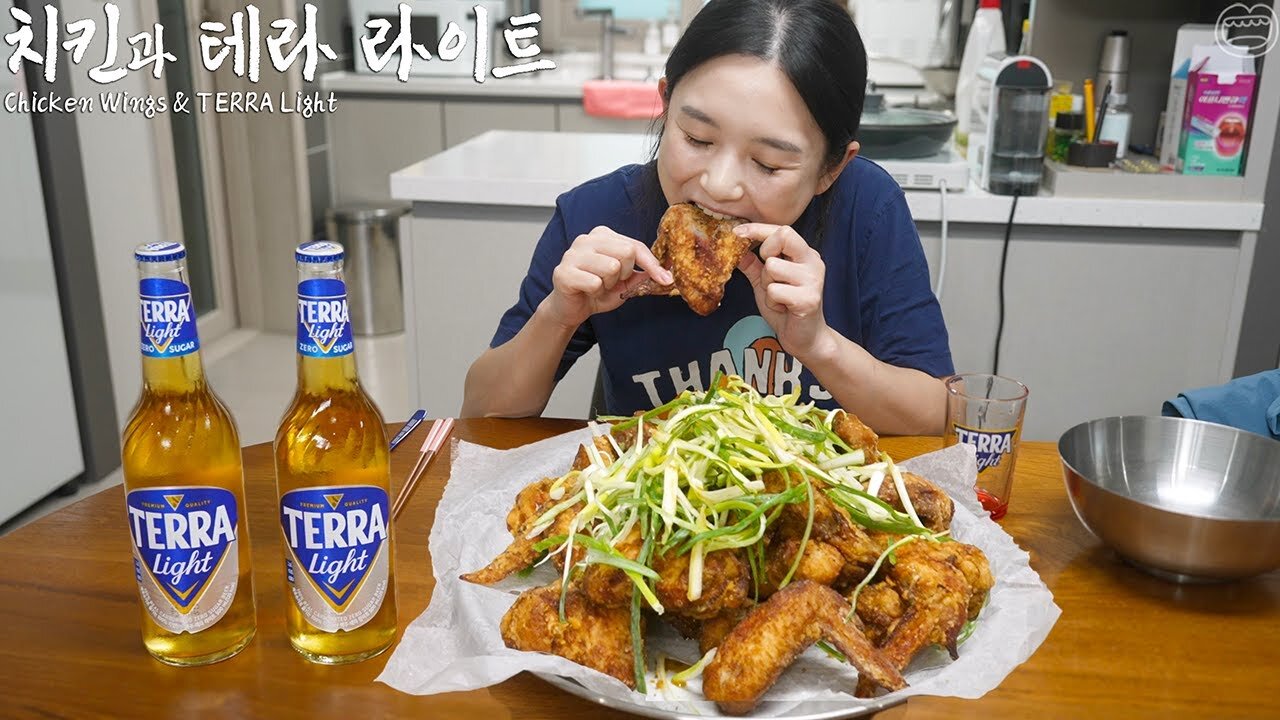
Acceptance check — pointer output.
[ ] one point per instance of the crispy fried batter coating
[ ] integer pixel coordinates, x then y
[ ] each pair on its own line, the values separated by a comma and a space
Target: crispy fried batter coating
977, 571
924, 597
879, 608
715, 629
756, 652
726, 583
857, 435
709, 632
934, 506
606, 585
831, 525
822, 563
937, 596
700, 251
599, 638
529, 503
605, 448
519, 555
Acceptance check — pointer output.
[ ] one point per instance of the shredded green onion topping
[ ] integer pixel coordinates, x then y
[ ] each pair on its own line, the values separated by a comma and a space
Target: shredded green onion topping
693, 482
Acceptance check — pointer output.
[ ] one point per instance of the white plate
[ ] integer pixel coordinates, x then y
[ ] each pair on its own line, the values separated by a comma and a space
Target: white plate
804, 711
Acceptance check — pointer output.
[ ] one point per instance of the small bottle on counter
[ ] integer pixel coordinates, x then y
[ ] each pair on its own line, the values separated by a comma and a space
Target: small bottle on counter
1116, 124
1068, 127
1059, 102
986, 36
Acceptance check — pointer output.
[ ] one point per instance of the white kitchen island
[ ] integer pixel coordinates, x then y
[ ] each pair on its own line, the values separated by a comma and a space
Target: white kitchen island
1112, 305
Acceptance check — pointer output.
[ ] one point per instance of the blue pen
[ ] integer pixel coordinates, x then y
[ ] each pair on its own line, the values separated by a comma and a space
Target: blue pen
408, 428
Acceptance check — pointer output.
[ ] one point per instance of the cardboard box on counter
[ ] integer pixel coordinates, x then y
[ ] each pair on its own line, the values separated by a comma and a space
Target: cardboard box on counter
1215, 121
1189, 36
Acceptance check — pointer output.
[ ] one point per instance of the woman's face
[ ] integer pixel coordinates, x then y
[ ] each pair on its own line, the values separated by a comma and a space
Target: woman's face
739, 141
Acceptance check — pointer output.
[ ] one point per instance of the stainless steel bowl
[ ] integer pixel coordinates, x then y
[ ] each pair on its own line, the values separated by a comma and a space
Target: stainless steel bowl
1186, 500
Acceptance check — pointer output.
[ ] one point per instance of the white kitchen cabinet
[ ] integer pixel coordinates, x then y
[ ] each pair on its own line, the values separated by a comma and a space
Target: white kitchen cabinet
465, 119
1098, 321
371, 137
462, 265
572, 118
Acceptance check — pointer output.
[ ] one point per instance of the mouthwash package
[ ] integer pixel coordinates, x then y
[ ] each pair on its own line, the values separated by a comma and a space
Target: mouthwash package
1215, 121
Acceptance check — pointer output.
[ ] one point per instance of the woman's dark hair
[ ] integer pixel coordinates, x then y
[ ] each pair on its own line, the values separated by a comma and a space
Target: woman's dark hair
813, 42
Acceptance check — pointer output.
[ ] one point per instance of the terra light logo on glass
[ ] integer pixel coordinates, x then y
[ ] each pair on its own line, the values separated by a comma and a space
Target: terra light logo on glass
986, 411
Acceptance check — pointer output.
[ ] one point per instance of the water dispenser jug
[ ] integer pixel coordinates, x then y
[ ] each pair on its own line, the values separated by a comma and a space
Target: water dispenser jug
1010, 123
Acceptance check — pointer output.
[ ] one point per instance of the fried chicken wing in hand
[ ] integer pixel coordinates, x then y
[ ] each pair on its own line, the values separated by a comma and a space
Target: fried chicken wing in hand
701, 252
756, 652
599, 638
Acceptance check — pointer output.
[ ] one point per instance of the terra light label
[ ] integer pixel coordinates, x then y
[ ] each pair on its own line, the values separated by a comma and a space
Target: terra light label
168, 318
337, 564
185, 554
324, 326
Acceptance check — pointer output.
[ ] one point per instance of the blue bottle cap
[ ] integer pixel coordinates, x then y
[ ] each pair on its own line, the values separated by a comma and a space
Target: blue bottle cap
320, 251
159, 252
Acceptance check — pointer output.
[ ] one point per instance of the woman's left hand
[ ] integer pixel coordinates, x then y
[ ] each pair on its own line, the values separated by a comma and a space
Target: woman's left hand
788, 286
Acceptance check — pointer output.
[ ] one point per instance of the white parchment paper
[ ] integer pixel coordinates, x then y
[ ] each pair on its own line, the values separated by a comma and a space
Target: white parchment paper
456, 644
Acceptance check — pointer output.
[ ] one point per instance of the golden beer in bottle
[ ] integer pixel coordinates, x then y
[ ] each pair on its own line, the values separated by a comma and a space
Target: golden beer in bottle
184, 483
333, 478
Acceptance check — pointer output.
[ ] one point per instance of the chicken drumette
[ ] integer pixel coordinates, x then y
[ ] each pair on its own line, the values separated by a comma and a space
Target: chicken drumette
701, 252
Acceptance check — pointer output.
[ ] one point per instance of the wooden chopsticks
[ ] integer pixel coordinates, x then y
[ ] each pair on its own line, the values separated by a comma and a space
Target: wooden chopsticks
436, 438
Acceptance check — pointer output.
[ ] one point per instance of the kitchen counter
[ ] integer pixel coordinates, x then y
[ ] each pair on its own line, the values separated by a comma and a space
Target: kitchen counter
562, 83
1105, 306
542, 85
532, 168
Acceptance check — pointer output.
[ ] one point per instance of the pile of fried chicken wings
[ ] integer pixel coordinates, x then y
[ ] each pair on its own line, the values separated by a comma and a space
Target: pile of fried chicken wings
753, 524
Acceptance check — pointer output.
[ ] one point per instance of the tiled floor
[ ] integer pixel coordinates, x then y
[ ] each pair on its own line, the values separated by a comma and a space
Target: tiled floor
254, 374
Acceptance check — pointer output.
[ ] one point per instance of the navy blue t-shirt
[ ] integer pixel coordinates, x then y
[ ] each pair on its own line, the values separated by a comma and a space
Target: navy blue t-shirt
876, 294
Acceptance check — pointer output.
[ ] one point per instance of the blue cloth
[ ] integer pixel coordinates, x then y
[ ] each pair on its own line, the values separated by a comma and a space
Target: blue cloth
877, 294
1249, 403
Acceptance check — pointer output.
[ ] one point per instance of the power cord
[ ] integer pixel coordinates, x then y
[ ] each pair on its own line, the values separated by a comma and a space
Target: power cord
1004, 260
942, 255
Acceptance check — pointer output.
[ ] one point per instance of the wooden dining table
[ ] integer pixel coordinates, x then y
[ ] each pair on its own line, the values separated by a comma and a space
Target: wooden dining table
1128, 645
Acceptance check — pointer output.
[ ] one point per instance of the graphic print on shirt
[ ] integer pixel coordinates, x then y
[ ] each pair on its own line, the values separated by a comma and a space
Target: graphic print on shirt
750, 350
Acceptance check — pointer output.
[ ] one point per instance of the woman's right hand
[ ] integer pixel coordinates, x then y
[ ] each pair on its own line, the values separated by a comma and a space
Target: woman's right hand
594, 274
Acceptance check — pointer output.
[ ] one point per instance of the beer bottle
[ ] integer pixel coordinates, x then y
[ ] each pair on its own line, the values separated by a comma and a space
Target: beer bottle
333, 479
184, 483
